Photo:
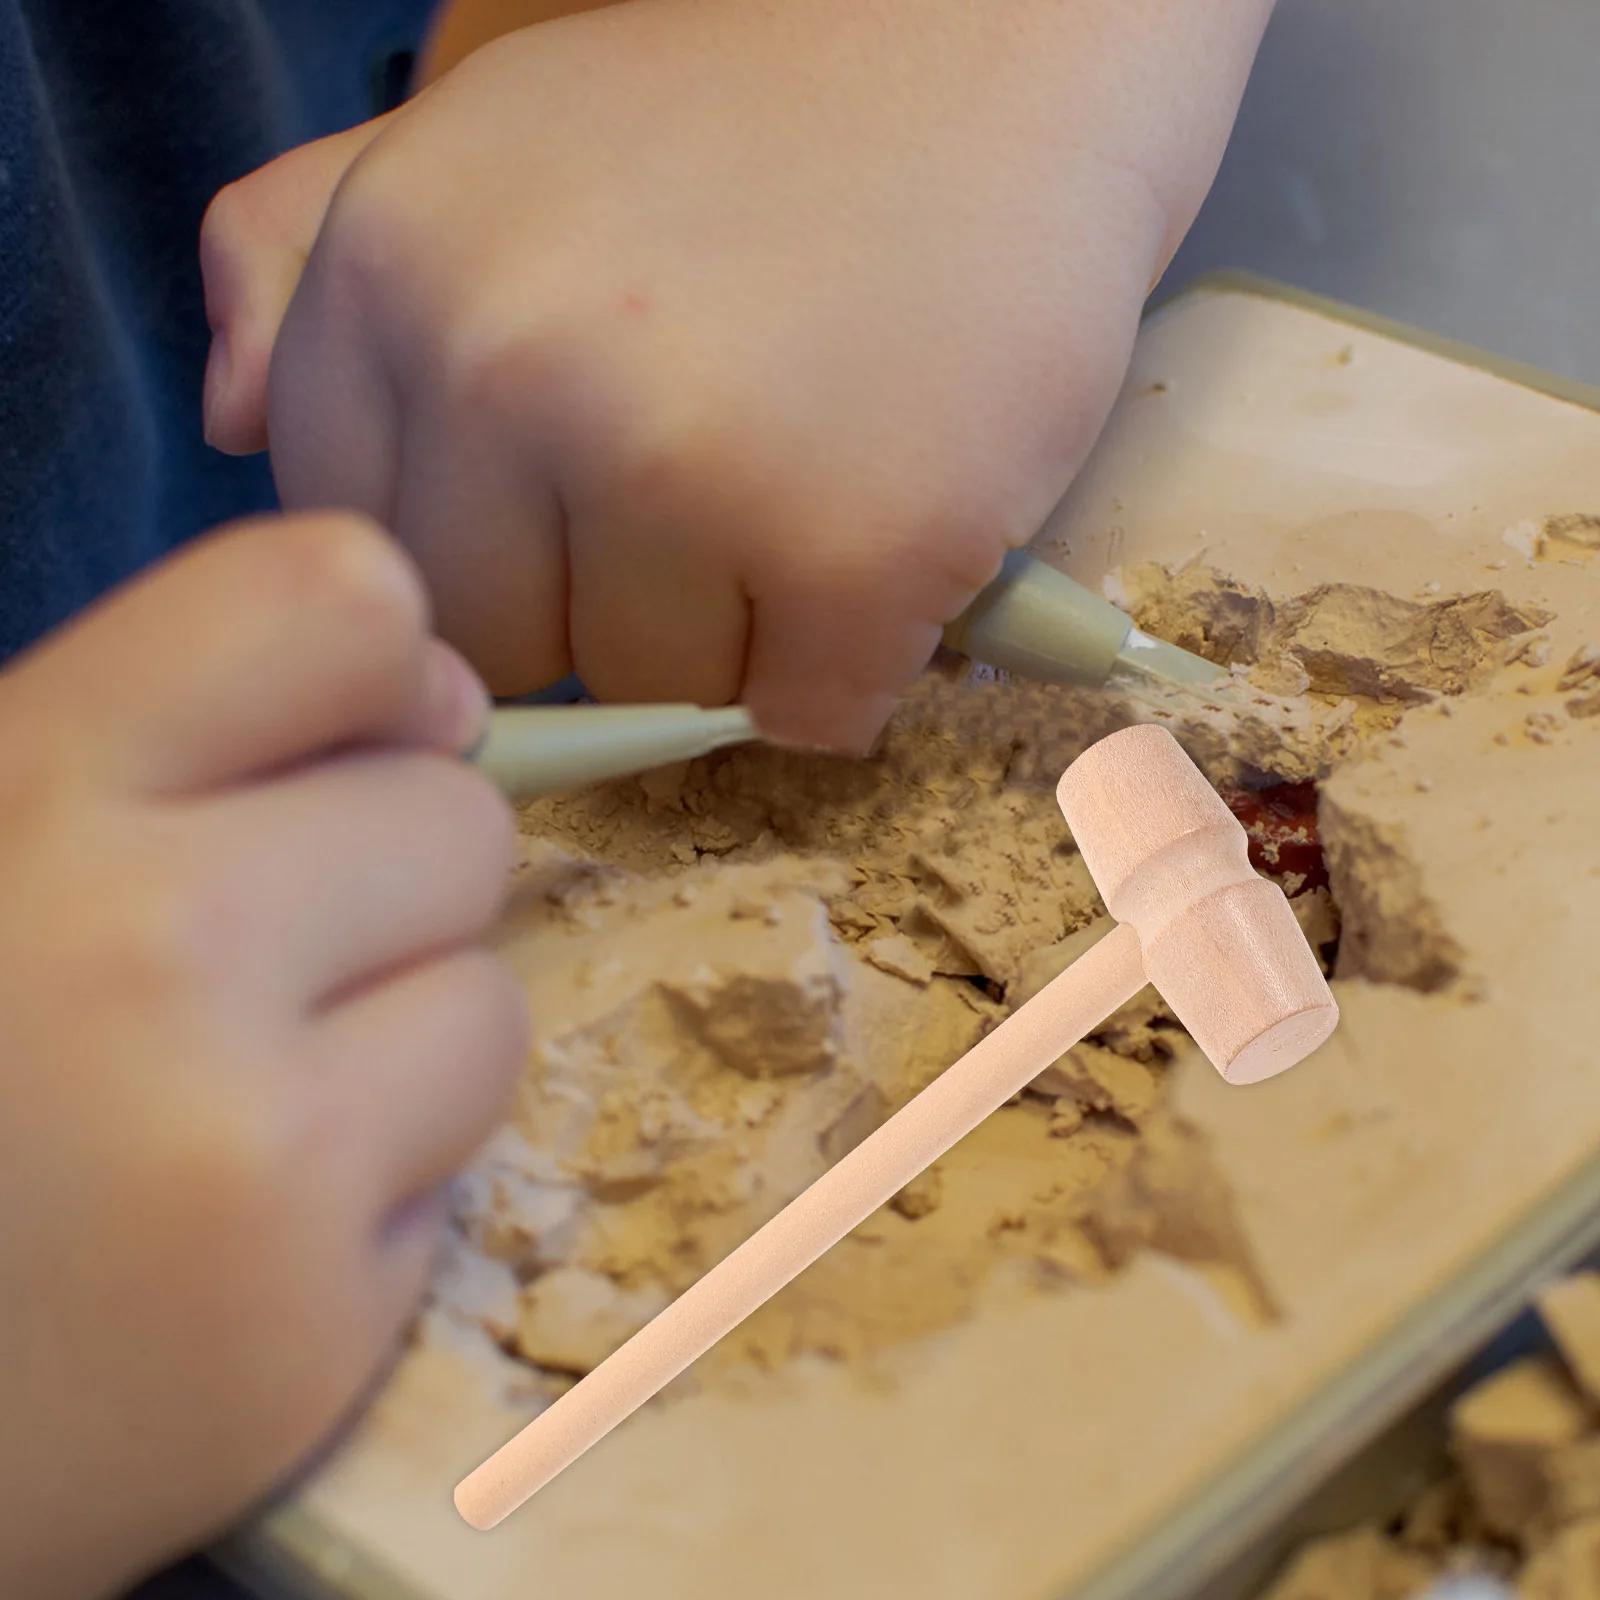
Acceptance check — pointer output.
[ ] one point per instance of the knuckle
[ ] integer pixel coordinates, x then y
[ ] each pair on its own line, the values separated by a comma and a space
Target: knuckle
212, 1164
937, 546
485, 364
493, 357
370, 232
228, 1161
676, 458
176, 935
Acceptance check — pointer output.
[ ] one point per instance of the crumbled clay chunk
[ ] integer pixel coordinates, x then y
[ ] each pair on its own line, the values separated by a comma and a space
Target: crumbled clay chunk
1317, 916
1582, 664
1567, 1567
1044, 966
1573, 1478
1571, 1311
1360, 1565
1528, 1442
1433, 1521
920, 1196
896, 954
476, 1289
1503, 1433
1065, 1119
571, 1320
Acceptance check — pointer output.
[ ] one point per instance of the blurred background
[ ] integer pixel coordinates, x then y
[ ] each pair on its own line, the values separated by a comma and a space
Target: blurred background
1433, 160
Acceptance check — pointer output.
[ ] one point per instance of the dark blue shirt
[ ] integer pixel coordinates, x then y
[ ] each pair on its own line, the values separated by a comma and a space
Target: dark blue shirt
119, 120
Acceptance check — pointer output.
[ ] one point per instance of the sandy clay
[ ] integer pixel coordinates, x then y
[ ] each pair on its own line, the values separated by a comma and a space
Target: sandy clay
739, 968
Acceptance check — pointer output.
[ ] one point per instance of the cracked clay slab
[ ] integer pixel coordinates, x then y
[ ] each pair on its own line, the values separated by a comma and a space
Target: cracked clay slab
737, 968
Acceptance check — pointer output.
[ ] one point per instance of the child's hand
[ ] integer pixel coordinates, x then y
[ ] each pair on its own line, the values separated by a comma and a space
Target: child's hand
722, 347
245, 1030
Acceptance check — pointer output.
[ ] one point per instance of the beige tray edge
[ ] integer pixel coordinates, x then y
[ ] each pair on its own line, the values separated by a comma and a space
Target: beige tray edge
1234, 280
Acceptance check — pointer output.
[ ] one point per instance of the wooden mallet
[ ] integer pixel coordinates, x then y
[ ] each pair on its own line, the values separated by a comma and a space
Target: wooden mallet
1220, 944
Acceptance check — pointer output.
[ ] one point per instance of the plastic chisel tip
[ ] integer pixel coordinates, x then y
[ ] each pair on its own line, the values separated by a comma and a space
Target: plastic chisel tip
1155, 658
539, 750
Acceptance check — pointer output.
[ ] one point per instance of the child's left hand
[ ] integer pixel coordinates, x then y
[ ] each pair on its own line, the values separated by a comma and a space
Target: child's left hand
720, 348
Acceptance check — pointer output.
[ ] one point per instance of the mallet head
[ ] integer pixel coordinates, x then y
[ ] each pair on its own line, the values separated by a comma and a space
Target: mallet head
1220, 944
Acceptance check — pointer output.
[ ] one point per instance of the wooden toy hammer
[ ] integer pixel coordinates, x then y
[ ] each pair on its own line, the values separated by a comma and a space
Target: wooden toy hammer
1220, 944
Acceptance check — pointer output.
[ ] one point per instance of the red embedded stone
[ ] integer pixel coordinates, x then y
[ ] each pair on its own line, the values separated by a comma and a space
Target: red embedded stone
1282, 825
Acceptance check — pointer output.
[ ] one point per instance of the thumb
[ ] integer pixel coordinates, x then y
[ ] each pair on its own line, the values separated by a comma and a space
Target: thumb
254, 243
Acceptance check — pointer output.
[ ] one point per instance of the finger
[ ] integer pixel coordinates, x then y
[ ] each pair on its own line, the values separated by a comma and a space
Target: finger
453, 709
478, 514
263, 645
332, 410
254, 244
826, 667
836, 640
352, 870
415, 1073
656, 609
663, 526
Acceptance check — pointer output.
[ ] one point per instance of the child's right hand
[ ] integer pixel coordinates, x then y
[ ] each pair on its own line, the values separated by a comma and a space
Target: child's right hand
246, 1030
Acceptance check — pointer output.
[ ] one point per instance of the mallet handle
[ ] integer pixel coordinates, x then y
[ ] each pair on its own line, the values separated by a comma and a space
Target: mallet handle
1000, 1065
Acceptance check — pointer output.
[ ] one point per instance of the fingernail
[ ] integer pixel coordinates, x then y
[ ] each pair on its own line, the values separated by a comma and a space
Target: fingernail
862, 741
218, 368
457, 702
